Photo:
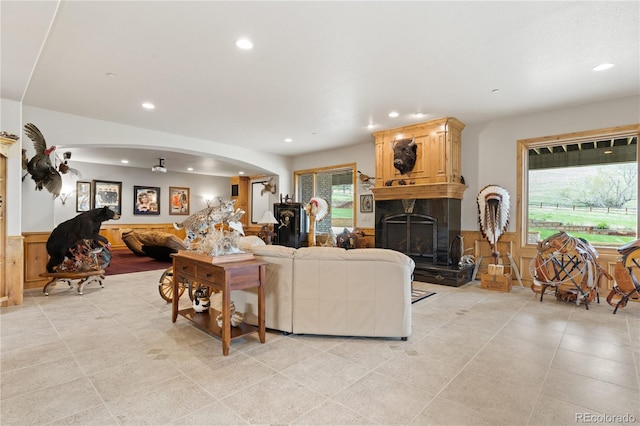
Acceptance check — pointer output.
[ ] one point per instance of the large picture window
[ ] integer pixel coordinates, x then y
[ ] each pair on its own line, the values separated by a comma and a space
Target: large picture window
335, 184
585, 184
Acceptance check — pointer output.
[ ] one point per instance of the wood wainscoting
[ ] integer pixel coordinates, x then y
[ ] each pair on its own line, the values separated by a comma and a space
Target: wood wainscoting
36, 257
477, 245
35, 247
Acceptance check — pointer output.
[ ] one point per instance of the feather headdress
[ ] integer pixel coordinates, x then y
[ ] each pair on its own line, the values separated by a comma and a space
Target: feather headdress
493, 213
317, 207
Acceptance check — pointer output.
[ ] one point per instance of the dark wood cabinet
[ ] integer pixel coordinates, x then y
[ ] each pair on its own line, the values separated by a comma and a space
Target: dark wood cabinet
291, 229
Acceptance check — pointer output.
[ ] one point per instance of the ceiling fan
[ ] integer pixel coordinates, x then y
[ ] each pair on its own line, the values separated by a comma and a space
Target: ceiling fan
159, 168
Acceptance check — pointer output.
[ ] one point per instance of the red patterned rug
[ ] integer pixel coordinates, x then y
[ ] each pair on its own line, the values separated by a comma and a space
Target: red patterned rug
124, 261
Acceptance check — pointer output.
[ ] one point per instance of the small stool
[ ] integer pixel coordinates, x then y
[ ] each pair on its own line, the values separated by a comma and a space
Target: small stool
84, 277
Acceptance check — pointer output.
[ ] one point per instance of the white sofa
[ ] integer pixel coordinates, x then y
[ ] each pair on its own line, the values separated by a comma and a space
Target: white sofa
333, 291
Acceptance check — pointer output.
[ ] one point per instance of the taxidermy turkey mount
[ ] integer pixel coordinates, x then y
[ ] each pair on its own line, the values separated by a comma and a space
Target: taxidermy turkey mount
40, 166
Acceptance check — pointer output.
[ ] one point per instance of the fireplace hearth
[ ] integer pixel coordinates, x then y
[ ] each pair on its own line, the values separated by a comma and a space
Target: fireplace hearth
424, 229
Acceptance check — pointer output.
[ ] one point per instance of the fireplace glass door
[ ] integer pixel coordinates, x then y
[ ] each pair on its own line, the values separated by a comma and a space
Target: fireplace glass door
415, 235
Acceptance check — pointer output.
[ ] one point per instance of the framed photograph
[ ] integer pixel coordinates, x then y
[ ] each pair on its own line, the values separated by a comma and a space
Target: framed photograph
83, 196
179, 200
107, 194
366, 203
146, 200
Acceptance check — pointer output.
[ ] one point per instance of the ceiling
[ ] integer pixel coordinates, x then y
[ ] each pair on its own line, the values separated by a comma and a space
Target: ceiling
319, 72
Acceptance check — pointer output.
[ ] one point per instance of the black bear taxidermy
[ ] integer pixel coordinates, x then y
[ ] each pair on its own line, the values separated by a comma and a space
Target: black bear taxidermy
85, 226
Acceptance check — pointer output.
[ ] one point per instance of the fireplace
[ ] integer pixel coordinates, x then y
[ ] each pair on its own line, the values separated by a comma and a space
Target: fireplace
417, 212
427, 230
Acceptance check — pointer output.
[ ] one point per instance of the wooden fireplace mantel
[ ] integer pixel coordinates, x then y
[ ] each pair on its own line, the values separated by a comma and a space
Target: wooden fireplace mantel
425, 191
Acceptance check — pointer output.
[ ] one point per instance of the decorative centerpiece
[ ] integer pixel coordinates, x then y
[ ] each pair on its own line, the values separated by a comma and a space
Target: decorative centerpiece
214, 230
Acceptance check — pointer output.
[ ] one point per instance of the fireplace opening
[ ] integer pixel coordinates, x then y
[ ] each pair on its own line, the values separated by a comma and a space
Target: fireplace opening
424, 229
415, 235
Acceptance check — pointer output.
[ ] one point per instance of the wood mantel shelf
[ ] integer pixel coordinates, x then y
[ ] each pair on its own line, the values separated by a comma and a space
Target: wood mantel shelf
5, 144
425, 191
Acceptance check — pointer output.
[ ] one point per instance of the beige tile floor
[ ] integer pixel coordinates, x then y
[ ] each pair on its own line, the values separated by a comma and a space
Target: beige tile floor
113, 357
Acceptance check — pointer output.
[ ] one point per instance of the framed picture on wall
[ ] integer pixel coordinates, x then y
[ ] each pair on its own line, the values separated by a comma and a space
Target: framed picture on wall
146, 200
107, 194
83, 196
366, 203
179, 200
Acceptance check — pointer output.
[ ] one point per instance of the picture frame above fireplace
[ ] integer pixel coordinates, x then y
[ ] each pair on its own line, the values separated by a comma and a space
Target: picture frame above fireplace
366, 203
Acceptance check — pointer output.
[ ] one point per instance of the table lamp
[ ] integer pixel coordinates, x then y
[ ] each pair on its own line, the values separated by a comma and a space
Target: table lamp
267, 221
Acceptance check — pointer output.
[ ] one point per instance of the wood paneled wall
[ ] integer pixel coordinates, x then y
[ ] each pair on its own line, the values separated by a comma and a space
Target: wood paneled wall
477, 245
36, 256
35, 252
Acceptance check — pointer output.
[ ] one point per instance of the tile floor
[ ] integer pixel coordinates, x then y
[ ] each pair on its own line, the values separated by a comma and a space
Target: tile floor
113, 357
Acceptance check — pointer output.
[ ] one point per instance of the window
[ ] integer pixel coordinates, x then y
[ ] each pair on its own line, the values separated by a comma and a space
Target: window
585, 184
335, 184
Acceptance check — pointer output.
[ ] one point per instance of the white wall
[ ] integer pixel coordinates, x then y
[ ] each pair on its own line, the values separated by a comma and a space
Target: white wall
10, 121
488, 157
364, 157
78, 131
42, 213
489, 150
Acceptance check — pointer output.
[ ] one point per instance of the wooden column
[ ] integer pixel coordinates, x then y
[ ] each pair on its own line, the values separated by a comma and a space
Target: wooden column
11, 284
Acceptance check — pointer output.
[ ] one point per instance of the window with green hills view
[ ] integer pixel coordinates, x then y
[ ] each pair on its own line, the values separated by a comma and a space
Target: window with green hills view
587, 188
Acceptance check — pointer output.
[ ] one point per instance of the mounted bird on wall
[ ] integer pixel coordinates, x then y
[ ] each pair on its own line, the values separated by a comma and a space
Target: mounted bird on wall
365, 180
40, 167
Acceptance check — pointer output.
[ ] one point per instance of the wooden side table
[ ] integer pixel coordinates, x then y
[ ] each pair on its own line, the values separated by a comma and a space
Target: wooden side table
221, 277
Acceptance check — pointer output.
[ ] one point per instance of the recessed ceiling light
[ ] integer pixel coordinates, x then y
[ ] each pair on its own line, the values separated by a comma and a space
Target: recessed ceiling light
604, 66
190, 169
124, 161
148, 105
393, 114
288, 140
244, 44
419, 114
240, 173
371, 126
608, 152
111, 75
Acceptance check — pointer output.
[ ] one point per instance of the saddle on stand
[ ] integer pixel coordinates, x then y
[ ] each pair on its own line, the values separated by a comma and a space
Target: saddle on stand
626, 285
